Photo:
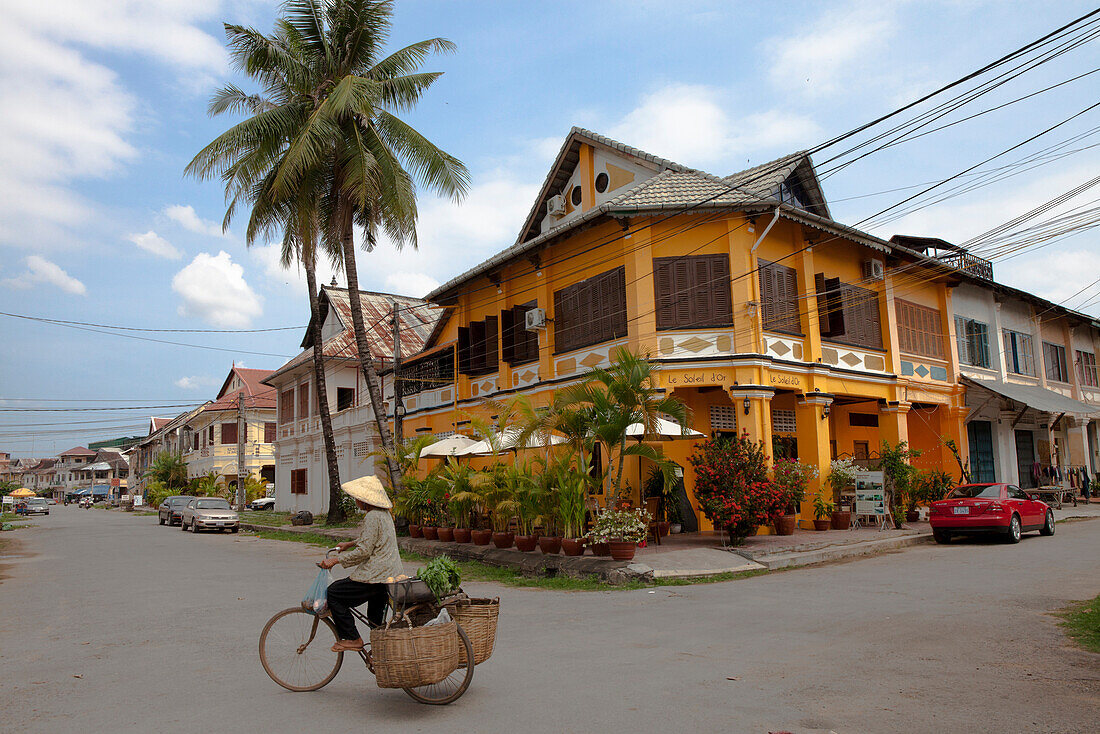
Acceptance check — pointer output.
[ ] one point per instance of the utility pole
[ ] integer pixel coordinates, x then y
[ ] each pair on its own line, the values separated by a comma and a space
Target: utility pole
242, 434
398, 402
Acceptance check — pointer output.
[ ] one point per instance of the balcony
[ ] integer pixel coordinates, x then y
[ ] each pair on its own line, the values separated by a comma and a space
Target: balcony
968, 263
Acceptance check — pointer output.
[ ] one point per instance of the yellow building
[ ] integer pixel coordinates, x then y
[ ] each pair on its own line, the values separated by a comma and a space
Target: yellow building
765, 315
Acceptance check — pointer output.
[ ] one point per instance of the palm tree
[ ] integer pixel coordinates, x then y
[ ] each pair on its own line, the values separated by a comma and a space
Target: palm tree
614, 398
169, 469
323, 145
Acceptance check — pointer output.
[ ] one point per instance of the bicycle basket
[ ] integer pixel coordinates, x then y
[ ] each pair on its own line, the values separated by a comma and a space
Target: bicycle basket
410, 657
408, 592
478, 618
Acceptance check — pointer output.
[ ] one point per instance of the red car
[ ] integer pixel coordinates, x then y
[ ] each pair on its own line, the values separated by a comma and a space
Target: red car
989, 508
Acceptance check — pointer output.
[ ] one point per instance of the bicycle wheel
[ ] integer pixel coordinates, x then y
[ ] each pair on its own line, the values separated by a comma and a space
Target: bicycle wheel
295, 650
454, 685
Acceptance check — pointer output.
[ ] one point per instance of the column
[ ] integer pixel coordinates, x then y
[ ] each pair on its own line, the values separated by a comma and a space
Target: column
811, 327
640, 303
893, 426
757, 421
812, 421
745, 290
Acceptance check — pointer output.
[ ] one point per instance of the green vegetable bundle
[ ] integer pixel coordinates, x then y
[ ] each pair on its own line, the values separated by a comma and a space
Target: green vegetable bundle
441, 575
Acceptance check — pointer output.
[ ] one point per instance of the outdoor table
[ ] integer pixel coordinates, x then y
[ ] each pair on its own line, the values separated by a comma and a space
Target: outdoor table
1056, 495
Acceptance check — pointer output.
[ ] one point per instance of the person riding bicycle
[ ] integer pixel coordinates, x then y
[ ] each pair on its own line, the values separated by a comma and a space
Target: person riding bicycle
372, 558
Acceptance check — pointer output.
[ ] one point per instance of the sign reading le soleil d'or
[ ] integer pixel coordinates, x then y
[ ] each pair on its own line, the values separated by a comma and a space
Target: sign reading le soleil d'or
698, 377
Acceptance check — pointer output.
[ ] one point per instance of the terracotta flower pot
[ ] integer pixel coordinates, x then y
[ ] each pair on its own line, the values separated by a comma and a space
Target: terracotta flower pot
842, 520
622, 550
447, 535
481, 537
503, 540
663, 527
572, 546
526, 543
600, 549
431, 533
784, 525
462, 535
550, 545
912, 515
822, 524
415, 531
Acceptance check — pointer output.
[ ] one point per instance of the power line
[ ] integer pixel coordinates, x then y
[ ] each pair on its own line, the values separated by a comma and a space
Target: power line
135, 328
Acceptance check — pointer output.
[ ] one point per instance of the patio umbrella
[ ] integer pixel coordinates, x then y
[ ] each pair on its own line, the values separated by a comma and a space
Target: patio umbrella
508, 440
666, 429
453, 446
23, 492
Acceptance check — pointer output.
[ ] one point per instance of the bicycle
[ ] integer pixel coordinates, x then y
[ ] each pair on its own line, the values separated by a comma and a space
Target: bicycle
298, 659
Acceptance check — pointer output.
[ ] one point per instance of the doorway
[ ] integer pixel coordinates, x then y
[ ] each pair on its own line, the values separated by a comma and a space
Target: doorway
980, 434
1025, 457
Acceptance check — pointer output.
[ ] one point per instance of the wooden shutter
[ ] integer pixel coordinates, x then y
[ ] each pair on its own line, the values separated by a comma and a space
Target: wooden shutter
303, 400
229, 433
617, 303
562, 326
662, 293
464, 349
721, 297
210, 435
509, 335
269, 433
490, 349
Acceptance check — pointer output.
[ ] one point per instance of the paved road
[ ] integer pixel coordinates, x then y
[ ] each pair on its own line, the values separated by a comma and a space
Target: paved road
161, 627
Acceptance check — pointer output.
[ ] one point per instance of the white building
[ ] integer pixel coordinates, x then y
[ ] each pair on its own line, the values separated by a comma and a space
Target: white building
301, 472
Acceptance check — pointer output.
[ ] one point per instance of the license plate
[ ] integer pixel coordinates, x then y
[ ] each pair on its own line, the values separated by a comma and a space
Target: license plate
962, 510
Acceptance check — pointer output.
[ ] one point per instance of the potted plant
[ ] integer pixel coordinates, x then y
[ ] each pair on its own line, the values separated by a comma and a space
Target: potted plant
527, 505
466, 499
823, 511
733, 487
622, 530
656, 486
899, 473
842, 473
793, 478
501, 500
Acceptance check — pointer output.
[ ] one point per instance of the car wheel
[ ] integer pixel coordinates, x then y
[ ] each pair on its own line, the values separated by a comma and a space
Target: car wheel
183, 526
1048, 526
160, 519
195, 526
1014, 530
233, 530
941, 536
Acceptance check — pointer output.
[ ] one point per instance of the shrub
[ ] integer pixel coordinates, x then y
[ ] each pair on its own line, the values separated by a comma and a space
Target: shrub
793, 478
731, 482
626, 525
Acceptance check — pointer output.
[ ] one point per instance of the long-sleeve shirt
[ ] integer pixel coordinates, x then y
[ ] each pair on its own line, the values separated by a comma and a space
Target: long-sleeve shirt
374, 556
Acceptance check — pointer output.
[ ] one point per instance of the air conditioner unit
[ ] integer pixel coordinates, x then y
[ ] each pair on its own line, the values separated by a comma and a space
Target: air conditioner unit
535, 319
555, 206
873, 270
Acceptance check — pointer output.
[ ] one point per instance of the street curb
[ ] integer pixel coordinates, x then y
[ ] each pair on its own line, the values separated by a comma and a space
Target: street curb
836, 553
529, 564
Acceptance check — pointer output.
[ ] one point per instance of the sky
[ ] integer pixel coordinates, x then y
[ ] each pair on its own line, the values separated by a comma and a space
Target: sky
104, 104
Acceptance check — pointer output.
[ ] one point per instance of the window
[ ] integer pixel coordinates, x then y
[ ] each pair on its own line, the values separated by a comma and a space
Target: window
1019, 358
1054, 358
477, 347
591, 311
863, 420
847, 313
723, 419
692, 291
303, 400
517, 344
345, 398
791, 192
1086, 368
298, 484
229, 433
920, 330
779, 298
286, 406
575, 196
972, 339
210, 435
269, 433
428, 373
602, 180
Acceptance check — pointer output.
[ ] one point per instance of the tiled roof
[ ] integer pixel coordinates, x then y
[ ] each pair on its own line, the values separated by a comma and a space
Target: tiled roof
78, 451
254, 393
419, 321
155, 424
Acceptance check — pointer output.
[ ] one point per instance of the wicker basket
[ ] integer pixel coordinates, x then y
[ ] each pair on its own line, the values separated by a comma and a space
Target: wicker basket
408, 657
478, 618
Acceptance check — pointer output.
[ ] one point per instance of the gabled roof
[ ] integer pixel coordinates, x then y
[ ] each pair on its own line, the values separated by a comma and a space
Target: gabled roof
155, 424
566, 162
419, 322
78, 451
252, 393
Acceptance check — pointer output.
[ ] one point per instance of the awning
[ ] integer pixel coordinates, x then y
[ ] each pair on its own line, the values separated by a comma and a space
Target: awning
100, 466
1034, 396
100, 490
80, 492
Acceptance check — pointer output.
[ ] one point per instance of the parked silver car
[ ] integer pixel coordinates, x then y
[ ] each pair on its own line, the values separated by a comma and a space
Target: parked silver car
209, 513
37, 505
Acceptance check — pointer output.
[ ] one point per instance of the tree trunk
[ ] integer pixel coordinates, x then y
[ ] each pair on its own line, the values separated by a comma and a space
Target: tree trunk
366, 362
335, 506
619, 472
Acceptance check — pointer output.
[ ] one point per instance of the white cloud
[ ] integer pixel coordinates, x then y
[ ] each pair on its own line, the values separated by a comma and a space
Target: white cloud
154, 243
186, 217
213, 289
410, 284
198, 382
821, 59
1056, 275
688, 123
41, 271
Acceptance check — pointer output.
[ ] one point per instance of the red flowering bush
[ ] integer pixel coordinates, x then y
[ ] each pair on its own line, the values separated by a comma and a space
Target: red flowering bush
732, 485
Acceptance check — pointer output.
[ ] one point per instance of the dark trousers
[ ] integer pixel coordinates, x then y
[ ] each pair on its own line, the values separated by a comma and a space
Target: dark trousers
345, 594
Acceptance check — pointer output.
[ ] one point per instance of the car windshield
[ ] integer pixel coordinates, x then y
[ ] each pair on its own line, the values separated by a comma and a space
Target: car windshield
36, 501
212, 505
983, 491
180, 501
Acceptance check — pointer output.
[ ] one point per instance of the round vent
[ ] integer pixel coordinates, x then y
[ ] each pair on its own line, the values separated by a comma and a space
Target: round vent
575, 196
601, 182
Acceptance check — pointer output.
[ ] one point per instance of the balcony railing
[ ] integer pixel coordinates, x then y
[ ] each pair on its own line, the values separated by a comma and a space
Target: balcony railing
968, 263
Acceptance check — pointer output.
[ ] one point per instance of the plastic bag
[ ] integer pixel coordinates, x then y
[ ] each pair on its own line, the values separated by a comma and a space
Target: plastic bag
316, 601
443, 618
